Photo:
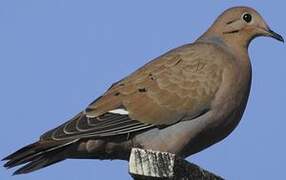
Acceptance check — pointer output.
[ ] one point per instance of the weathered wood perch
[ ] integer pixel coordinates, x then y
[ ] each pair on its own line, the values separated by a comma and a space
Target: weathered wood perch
155, 165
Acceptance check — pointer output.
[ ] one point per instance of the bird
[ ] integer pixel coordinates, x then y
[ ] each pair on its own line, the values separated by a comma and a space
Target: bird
181, 102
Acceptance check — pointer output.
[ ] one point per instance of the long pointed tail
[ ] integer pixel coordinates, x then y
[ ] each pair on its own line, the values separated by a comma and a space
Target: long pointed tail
38, 155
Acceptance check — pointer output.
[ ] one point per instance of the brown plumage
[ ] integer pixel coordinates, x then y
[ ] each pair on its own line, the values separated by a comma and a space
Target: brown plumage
181, 102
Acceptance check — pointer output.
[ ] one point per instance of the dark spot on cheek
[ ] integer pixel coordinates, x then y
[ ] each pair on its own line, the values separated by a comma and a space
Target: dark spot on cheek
230, 22
231, 32
142, 90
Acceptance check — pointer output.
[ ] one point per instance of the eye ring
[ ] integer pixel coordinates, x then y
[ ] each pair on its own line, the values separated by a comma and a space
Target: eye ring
247, 17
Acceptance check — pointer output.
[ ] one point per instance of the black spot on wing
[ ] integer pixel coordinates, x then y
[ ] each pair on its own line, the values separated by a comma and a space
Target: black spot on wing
117, 94
142, 90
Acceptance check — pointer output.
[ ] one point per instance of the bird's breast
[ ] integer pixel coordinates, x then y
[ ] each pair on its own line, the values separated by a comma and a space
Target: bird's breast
231, 99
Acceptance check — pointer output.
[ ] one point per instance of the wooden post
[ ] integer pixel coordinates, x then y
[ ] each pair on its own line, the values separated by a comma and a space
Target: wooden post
155, 165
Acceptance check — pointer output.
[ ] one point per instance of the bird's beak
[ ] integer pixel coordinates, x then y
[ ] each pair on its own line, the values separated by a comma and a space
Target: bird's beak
274, 35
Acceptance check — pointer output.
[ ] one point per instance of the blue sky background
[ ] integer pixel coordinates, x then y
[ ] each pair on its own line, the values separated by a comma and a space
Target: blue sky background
56, 56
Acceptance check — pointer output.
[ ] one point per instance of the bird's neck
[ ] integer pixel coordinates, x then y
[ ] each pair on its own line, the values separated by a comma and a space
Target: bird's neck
239, 50
237, 47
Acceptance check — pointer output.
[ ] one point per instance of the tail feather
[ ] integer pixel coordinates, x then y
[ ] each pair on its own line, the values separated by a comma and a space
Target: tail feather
38, 155
27, 153
20, 151
39, 163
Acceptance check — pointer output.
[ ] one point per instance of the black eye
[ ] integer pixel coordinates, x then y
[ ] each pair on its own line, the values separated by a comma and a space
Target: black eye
247, 17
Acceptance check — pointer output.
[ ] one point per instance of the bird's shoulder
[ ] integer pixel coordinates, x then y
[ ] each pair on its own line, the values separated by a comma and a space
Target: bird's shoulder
190, 57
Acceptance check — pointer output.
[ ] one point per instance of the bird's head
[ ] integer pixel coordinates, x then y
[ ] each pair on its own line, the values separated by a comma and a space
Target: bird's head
240, 25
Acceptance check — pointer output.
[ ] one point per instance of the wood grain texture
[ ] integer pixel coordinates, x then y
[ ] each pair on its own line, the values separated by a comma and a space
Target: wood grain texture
155, 165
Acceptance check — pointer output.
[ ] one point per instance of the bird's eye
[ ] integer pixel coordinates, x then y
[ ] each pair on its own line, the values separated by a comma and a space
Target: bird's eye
247, 17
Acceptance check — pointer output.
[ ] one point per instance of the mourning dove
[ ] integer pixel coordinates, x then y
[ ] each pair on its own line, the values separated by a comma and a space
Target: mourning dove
181, 102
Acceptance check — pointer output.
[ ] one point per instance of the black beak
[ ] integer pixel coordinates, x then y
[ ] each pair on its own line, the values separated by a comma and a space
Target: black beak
275, 35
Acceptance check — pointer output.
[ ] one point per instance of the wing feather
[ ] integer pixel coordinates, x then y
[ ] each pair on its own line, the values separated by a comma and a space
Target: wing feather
177, 85
110, 124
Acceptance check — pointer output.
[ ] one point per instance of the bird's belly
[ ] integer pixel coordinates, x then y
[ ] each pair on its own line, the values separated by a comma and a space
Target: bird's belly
188, 137
225, 117
172, 139
211, 135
